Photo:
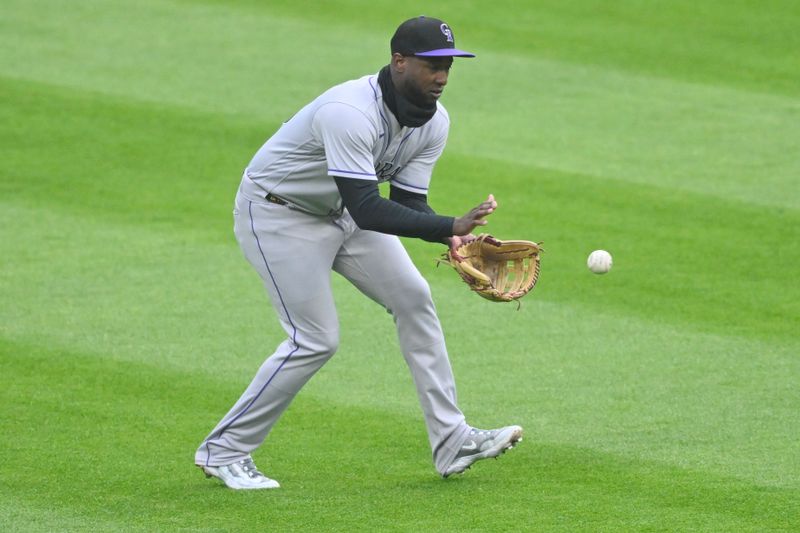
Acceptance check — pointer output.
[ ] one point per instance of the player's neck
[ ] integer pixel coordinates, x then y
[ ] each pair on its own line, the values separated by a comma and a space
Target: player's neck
405, 111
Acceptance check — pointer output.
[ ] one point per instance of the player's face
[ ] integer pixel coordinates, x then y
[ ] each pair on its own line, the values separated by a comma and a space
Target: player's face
422, 79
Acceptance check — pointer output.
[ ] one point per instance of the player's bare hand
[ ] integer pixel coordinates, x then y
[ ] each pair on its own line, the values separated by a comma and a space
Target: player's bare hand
464, 225
459, 240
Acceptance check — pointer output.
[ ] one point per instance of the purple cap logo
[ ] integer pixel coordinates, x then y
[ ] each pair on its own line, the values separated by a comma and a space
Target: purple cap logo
447, 33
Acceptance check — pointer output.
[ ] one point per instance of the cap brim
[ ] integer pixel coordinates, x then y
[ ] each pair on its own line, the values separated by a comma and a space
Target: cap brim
445, 52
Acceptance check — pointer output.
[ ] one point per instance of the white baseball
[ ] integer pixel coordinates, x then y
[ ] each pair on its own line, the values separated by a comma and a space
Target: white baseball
599, 262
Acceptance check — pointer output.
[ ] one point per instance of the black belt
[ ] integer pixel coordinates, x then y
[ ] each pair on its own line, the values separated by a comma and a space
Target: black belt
275, 200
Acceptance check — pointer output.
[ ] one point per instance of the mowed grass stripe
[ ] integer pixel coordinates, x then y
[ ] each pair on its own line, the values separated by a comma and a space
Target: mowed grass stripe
232, 58
679, 258
107, 159
659, 131
111, 427
115, 158
741, 44
627, 386
33, 516
721, 137
590, 374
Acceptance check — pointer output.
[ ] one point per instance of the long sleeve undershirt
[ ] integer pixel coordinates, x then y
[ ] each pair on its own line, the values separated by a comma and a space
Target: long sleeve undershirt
406, 214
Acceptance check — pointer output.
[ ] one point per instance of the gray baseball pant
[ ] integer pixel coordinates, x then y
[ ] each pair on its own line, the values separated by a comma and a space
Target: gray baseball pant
294, 253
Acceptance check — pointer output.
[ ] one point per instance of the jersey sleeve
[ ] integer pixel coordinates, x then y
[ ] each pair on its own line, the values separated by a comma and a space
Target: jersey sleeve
416, 175
347, 136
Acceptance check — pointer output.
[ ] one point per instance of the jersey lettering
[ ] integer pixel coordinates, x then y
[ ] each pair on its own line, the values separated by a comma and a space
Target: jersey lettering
386, 170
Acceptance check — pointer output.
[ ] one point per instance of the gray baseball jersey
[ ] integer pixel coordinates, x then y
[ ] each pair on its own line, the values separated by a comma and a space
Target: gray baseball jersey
347, 131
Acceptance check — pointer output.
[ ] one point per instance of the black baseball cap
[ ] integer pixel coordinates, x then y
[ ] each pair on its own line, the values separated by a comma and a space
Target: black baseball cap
426, 37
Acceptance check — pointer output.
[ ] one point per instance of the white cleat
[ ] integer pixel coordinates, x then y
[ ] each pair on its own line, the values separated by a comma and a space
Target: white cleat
483, 444
241, 475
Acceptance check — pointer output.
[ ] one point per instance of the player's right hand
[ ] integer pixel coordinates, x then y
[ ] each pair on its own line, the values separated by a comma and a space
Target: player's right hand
474, 218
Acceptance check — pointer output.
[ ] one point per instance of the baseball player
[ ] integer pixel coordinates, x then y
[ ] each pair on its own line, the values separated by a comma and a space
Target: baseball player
309, 203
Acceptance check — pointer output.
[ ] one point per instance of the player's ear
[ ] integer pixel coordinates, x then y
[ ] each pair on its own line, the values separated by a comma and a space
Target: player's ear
399, 62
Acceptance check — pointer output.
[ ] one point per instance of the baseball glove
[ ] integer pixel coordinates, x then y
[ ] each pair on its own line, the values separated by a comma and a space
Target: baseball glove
500, 271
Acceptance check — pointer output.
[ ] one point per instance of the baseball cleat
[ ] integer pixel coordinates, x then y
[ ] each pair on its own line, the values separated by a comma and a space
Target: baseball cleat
241, 475
483, 444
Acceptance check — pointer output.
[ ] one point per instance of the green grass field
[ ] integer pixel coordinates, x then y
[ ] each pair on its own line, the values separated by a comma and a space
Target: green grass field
664, 396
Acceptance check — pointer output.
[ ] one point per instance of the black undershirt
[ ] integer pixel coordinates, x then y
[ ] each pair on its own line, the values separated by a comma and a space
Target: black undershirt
406, 214
407, 112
